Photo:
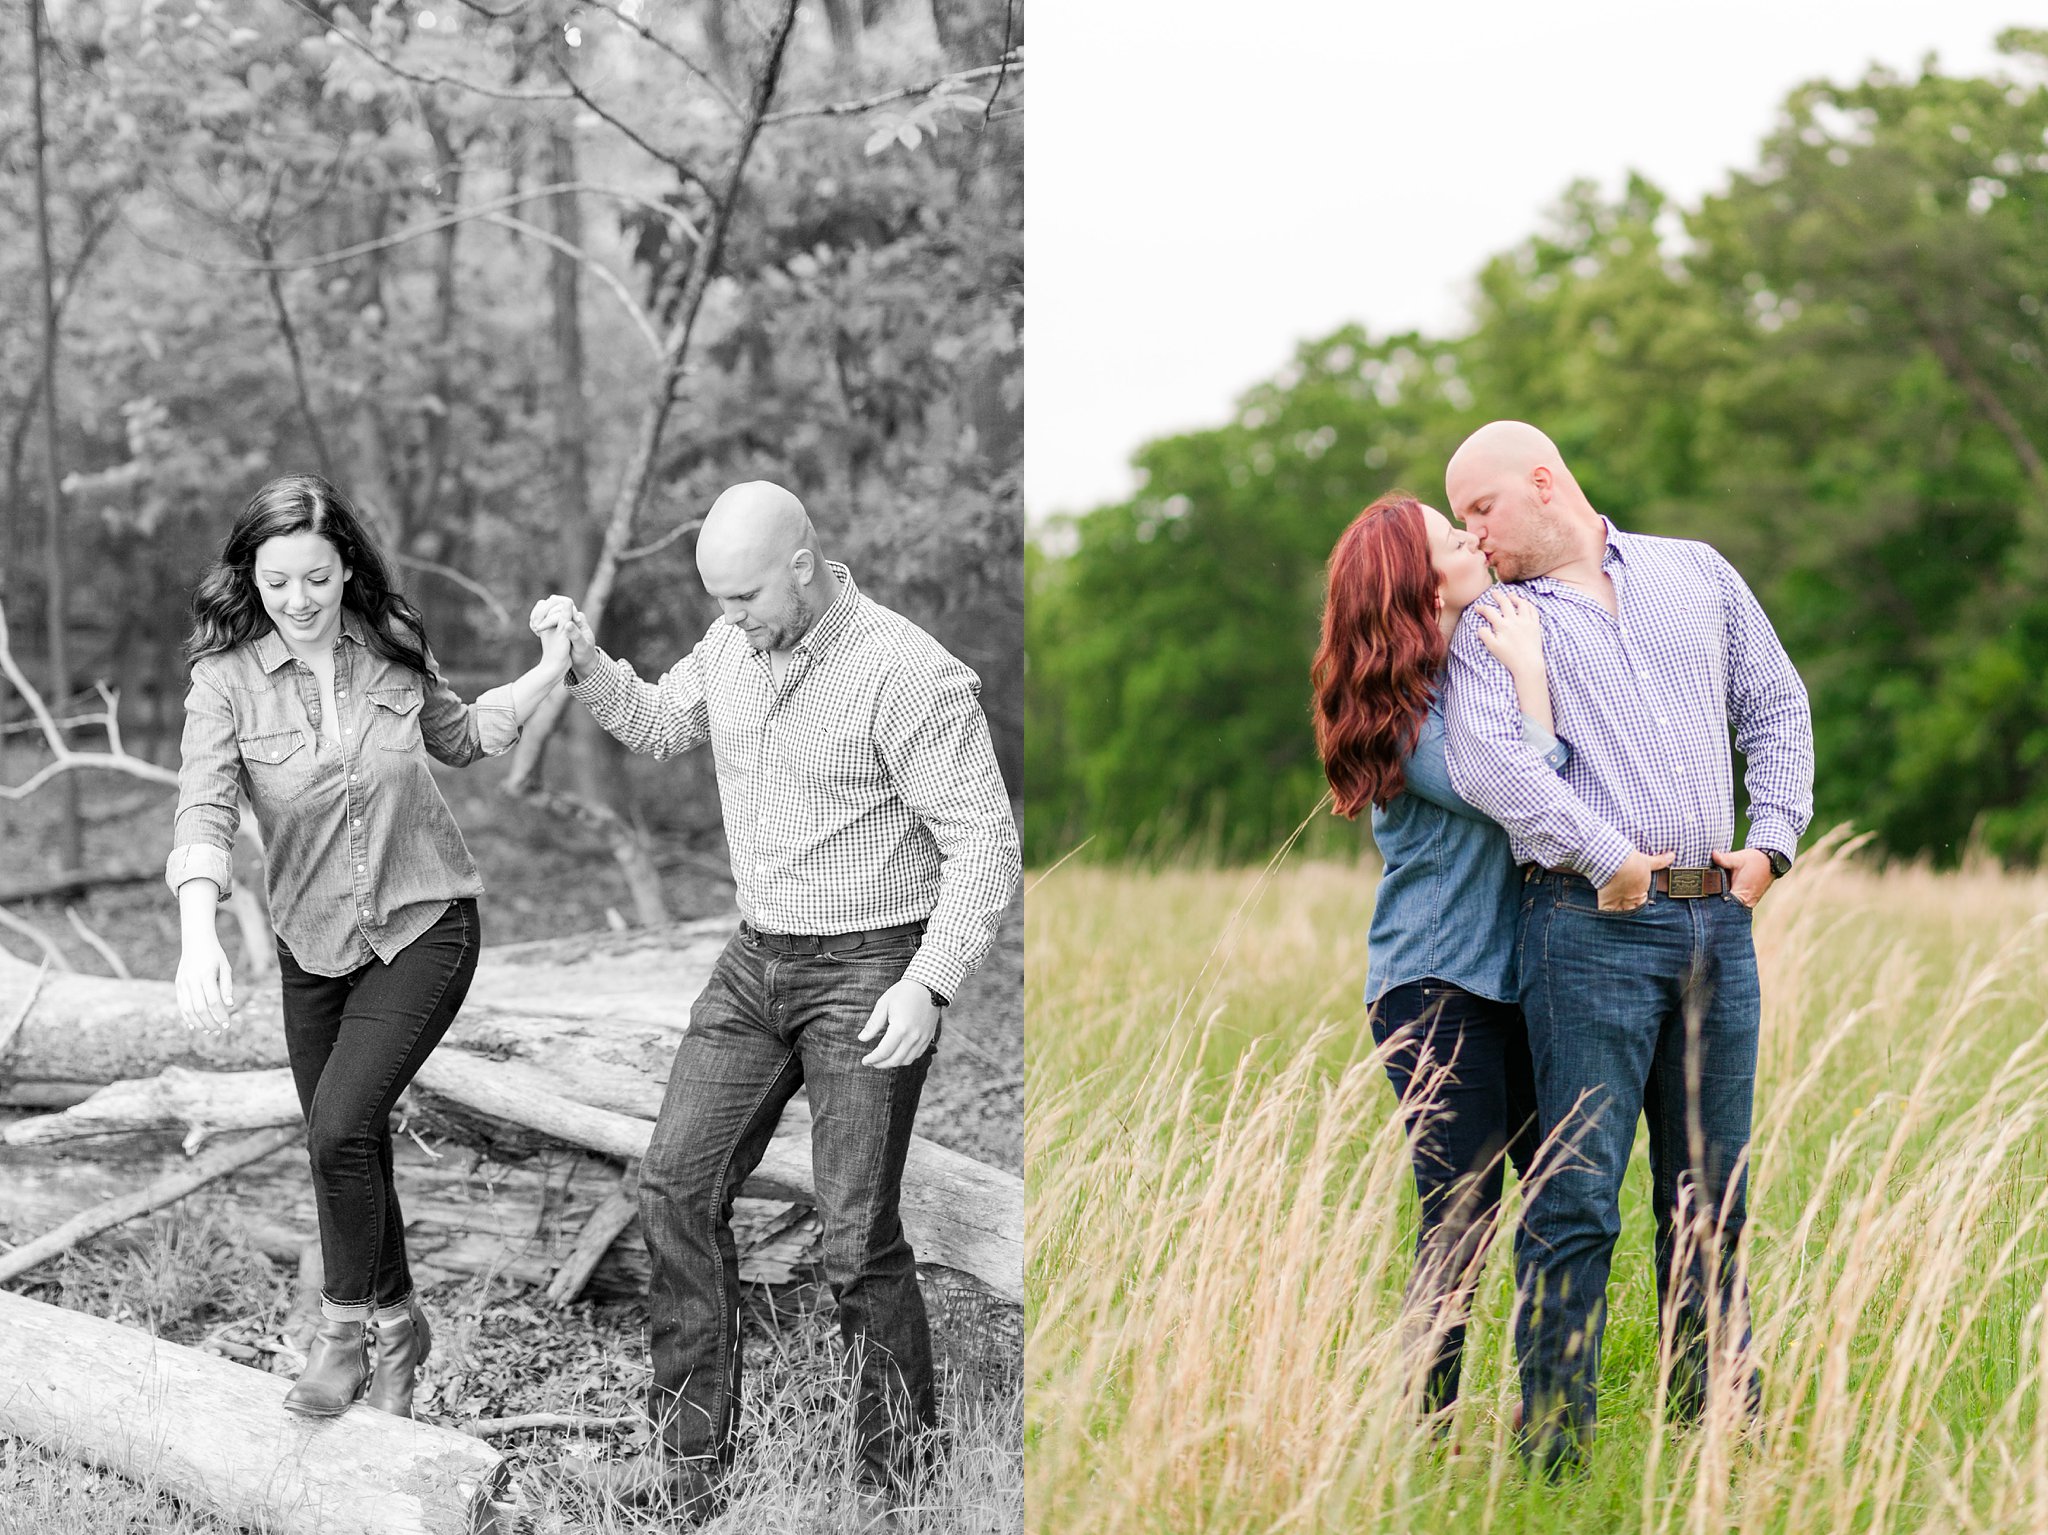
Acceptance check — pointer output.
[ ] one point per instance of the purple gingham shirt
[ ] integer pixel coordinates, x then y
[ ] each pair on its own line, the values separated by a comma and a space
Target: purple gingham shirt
860, 791
1645, 700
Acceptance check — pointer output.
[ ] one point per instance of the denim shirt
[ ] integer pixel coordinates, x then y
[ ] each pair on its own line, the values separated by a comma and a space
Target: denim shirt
1447, 902
361, 853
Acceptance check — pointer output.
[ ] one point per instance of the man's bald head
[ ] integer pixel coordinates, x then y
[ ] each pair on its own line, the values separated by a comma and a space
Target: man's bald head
758, 555
1509, 485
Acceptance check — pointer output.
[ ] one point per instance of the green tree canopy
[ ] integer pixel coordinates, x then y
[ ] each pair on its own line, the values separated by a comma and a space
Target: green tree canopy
1832, 370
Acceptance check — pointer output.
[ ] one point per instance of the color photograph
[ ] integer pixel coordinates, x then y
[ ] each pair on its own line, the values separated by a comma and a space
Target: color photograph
511, 744
1537, 954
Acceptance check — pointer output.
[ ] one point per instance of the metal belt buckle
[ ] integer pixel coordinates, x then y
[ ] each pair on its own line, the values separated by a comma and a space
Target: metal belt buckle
1687, 884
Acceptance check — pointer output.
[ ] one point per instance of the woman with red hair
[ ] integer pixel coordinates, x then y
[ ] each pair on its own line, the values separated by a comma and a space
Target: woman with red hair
1440, 970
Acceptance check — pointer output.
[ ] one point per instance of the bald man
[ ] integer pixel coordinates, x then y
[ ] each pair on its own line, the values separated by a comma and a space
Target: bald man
874, 851
1636, 970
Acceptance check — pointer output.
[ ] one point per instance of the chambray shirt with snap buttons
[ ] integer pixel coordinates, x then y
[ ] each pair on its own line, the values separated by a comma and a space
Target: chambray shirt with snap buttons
859, 791
361, 853
1448, 898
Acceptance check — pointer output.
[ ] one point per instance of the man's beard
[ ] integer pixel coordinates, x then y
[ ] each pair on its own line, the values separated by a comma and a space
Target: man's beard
800, 617
1550, 547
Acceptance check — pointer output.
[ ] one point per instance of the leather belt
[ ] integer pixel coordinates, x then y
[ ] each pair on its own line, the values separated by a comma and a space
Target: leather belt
1679, 884
827, 943
1690, 884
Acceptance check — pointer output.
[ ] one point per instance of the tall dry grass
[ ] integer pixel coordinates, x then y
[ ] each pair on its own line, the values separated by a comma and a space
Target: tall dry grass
1221, 1220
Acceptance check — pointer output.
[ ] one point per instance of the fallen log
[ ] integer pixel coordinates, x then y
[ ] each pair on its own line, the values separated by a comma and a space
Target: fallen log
72, 885
606, 1225
166, 1190
956, 1211
601, 1013
215, 1434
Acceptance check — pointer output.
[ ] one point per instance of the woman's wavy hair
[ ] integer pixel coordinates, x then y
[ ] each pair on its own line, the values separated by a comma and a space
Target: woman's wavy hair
227, 610
1381, 652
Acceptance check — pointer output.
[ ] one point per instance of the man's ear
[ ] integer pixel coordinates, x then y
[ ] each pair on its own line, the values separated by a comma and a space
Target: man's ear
804, 567
1546, 485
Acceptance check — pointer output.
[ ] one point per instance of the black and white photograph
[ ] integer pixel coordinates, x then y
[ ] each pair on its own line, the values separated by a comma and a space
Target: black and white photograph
511, 765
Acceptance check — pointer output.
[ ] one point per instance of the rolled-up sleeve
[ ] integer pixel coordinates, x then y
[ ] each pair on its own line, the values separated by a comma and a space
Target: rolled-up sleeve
935, 744
457, 733
209, 789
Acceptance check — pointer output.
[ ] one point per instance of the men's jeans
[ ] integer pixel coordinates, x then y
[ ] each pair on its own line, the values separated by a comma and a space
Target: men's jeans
1652, 1011
1460, 1065
765, 1025
354, 1042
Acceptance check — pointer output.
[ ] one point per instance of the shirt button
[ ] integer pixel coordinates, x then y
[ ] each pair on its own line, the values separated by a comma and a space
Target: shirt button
355, 823
351, 778
359, 868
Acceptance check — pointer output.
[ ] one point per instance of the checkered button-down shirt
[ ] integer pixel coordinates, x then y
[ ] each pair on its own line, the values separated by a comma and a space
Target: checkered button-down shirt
1645, 698
859, 792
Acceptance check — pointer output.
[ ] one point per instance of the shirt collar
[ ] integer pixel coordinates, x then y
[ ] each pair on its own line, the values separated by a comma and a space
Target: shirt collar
838, 616
1614, 552
272, 652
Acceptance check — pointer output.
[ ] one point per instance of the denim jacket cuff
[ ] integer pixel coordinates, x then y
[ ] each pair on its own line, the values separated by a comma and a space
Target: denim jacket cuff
497, 721
200, 860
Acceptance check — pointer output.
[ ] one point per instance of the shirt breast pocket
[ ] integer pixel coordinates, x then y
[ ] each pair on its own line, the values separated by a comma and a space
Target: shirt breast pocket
278, 764
395, 718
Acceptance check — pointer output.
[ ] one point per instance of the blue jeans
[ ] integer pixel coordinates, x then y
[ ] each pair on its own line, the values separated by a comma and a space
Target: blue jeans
354, 1042
1460, 1065
766, 1024
1652, 1011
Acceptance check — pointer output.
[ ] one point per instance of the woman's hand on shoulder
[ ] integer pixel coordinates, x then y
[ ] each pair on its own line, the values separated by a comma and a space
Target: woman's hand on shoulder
1513, 631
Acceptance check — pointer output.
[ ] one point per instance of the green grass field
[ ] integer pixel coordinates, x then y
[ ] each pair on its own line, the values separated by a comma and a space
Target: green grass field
1220, 1217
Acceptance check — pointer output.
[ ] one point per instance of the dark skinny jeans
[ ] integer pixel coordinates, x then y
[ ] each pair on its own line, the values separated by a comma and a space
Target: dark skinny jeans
1460, 1065
355, 1041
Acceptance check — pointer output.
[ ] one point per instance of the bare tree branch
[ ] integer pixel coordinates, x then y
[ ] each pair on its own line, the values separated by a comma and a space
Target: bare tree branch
662, 542
731, 103
469, 584
1011, 60
100, 945
674, 216
427, 77
672, 160
633, 484
596, 268
52, 955
1009, 49
275, 285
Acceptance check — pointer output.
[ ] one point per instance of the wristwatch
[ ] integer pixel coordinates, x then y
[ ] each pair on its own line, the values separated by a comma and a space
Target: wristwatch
1780, 864
937, 1000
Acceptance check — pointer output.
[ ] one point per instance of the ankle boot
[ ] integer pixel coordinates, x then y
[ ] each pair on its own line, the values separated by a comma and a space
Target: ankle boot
337, 1367
402, 1346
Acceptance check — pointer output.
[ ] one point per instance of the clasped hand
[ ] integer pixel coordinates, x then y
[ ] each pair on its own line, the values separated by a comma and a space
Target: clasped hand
565, 635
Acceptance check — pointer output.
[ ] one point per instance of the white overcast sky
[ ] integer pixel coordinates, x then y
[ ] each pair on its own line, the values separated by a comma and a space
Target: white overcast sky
1210, 183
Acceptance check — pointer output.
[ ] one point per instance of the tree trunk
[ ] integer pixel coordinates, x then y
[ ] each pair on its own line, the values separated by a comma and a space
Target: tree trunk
633, 486
71, 836
216, 1434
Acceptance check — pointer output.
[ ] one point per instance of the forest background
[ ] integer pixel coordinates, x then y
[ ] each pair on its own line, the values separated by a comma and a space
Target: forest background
1832, 369
532, 283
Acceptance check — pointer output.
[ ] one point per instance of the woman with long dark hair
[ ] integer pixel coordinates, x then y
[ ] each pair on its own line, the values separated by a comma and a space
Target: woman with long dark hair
1440, 969
315, 695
